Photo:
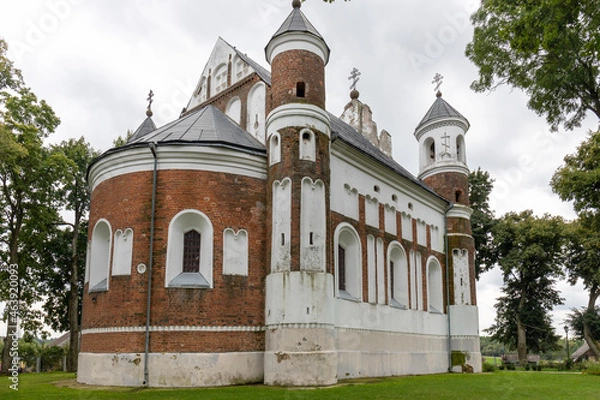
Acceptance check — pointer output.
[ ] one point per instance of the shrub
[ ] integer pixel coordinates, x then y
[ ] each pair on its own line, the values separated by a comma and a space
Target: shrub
539, 367
593, 368
487, 367
527, 367
501, 367
458, 358
511, 367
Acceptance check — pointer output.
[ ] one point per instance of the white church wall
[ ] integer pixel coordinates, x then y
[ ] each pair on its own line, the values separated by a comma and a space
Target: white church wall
348, 170
234, 109
445, 145
390, 219
371, 271
171, 369
372, 211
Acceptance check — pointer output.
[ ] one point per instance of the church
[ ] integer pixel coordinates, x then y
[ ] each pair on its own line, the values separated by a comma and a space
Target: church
261, 238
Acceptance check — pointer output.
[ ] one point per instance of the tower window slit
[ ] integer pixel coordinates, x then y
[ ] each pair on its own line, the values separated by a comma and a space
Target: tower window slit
300, 89
310, 238
283, 239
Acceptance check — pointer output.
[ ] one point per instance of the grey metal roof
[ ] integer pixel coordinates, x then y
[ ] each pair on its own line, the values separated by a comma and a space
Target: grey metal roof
297, 22
207, 125
345, 132
146, 127
440, 109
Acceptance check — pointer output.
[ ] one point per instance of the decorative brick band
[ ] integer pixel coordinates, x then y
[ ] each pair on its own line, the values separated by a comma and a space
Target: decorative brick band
129, 329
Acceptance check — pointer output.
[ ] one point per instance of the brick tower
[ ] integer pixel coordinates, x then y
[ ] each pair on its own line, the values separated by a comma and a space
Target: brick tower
300, 334
443, 167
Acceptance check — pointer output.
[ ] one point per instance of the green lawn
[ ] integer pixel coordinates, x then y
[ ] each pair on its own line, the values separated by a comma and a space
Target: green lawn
498, 385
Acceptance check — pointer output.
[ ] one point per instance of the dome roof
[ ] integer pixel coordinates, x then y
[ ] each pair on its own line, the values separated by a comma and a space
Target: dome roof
297, 22
441, 110
208, 126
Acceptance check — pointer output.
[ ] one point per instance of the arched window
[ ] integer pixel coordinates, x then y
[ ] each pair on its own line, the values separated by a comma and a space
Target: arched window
398, 273
240, 69
122, 253
274, 149
430, 147
190, 251
307, 145
435, 290
460, 149
100, 256
348, 263
234, 109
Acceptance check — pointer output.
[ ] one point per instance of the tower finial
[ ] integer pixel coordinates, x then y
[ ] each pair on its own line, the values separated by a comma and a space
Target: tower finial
296, 3
355, 76
150, 100
437, 81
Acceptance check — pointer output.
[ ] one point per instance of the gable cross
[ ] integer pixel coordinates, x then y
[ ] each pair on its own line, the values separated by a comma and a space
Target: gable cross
437, 81
355, 76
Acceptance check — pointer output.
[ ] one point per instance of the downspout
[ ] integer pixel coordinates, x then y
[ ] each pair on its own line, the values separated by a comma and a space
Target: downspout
152, 146
450, 206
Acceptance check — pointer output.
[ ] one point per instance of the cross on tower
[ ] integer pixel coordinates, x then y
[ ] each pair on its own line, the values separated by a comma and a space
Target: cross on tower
355, 76
446, 145
437, 81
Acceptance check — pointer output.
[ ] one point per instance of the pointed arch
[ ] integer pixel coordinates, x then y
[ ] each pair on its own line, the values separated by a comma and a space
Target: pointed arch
348, 262
100, 256
435, 287
398, 275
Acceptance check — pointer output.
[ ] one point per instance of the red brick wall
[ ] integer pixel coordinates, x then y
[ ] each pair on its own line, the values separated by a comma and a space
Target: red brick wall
293, 66
446, 184
229, 201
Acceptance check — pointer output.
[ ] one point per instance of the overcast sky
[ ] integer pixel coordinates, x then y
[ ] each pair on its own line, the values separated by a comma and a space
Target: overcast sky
95, 61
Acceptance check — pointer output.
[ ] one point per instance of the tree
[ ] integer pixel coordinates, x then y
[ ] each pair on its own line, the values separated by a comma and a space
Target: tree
10, 77
548, 48
122, 141
482, 220
530, 254
76, 156
578, 180
28, 200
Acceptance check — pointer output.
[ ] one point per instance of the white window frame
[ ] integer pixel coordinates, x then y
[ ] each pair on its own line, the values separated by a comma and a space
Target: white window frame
183, 222
100, 252
347, 237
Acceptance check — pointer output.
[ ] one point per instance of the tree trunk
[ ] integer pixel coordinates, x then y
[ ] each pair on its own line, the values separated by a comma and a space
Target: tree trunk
594, 293
12, 323
521, 333
74, 300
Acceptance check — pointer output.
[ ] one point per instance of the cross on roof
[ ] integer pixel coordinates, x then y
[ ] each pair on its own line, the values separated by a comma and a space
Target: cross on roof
149, 100
355, 76
437, 81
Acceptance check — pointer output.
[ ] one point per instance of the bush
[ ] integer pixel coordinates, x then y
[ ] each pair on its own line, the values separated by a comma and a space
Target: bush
527, 367
539, 367
593, 368
487, 367
511, 367
501, 367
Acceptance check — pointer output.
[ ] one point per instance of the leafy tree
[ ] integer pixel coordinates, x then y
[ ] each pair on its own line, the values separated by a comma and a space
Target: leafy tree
76, 156
578, 180
530, 254
122, 141
482, 220
28, 200
10, 77
578, 319
548, 48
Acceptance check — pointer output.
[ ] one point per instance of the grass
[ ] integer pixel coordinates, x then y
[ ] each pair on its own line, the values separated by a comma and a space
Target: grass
499, 385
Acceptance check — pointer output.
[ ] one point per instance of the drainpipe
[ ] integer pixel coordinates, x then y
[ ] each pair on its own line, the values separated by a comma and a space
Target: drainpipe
152, 146
448, 284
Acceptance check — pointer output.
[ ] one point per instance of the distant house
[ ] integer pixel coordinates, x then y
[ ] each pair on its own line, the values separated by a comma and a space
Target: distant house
583, 354
61, 341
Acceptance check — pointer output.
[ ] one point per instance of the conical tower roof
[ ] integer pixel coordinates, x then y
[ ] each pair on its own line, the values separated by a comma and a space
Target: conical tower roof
145, 128
441, 110
297, 22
